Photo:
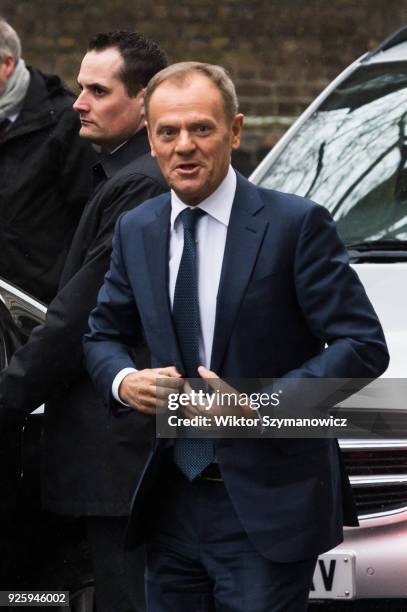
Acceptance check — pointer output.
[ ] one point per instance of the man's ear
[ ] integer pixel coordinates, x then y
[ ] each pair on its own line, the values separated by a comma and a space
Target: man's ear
10, 64
237, 125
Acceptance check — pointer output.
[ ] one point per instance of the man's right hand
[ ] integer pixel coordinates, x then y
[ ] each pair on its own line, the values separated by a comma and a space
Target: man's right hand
141, 391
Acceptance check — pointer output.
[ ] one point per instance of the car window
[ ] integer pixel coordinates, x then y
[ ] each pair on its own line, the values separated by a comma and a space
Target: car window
351, 156
19, 314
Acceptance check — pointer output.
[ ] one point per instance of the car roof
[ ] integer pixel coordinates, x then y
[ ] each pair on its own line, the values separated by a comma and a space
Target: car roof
392, 49
398, 53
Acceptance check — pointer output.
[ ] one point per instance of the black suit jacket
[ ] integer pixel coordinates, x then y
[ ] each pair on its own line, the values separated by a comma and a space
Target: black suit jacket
91, 461
286, 290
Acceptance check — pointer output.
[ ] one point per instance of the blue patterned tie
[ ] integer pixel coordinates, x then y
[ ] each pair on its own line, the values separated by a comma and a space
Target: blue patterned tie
192, 455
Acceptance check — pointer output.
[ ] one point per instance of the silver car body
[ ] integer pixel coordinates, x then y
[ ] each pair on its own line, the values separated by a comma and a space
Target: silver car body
371, 563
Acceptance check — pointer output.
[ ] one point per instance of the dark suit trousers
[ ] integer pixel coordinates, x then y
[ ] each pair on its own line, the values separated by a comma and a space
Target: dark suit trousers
119, 575
201, 560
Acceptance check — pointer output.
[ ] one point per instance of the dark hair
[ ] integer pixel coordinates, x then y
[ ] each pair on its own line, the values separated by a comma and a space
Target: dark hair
142, 58
183, 71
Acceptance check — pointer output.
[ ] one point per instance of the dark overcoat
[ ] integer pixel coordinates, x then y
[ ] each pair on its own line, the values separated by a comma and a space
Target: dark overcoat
91, 460
45, 182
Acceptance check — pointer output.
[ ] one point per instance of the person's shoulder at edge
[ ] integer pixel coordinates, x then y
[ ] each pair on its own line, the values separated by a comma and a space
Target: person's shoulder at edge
138, 168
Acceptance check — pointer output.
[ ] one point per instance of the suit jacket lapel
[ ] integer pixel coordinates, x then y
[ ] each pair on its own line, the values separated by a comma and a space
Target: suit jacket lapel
156, 245
243, 241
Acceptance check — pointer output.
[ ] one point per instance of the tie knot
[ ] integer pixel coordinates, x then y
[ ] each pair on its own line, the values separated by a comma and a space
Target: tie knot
189, 217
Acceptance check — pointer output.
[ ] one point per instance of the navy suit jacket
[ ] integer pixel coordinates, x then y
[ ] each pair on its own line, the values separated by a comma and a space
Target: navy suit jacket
286, 291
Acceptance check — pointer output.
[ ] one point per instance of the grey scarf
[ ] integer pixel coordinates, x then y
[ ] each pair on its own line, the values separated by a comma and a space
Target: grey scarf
14, 93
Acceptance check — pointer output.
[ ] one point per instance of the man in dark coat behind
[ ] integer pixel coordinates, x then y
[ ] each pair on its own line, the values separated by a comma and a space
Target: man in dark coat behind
92, 462
45, 172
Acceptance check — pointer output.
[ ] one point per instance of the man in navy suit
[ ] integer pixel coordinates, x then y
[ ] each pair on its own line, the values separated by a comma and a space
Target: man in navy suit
225, 279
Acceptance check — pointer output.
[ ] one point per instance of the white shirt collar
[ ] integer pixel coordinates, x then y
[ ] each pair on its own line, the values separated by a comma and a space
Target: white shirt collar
13, 117
117, 148
218, 205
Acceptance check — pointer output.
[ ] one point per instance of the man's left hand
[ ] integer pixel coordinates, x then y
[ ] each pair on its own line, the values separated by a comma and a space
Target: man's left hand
222, 389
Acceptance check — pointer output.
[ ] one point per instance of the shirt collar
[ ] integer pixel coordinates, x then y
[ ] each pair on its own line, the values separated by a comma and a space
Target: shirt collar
13, 117
218, 205
136, 146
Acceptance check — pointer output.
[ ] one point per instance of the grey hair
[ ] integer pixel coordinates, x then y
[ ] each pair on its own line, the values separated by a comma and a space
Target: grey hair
182, 71
9, 41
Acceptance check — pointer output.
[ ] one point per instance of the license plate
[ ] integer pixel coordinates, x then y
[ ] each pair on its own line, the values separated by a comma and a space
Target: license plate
334, 577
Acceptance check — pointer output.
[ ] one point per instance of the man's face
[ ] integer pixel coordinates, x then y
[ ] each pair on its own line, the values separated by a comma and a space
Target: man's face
191, 136
7, 64
108, 115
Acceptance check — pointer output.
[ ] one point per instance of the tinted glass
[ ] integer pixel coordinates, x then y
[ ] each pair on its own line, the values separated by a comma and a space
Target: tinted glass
18, 317
351, 156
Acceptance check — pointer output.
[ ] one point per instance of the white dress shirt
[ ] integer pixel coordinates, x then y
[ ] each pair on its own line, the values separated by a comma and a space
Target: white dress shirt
210, 235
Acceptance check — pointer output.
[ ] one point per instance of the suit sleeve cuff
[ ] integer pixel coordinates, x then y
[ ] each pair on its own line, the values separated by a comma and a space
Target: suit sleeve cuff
117, 382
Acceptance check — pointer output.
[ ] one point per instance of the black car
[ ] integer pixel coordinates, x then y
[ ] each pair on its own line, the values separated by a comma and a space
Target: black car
40, 551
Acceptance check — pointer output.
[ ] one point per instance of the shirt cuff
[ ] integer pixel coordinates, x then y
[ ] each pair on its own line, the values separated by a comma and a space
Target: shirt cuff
117, 382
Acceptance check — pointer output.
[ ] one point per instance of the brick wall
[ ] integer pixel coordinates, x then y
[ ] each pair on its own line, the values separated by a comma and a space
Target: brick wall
281, 53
